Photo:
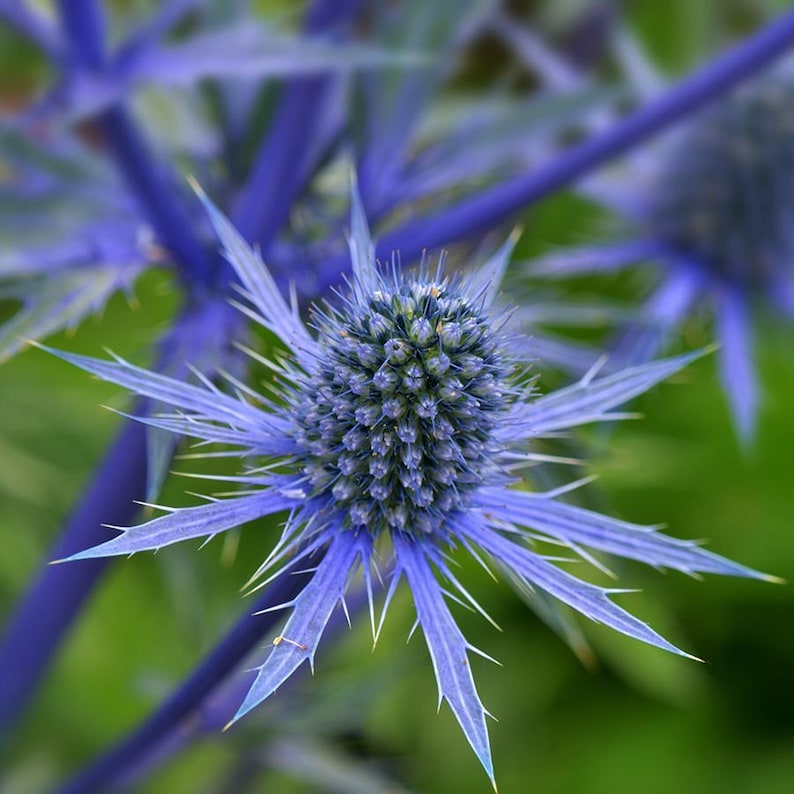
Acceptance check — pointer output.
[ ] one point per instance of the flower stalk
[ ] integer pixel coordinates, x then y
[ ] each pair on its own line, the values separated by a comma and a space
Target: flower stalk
242, 638
47, 609
487, 209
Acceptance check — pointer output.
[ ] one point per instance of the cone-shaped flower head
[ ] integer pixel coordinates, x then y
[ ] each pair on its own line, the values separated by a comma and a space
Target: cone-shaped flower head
396, 423
726, 190
714, 204
402, 422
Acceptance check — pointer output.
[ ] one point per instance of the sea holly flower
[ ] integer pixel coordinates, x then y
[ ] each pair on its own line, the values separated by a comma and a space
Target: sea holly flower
88, 208
711, 205
398, 434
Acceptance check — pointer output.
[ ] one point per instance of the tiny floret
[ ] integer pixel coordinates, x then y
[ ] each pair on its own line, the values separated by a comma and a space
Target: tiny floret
401, 433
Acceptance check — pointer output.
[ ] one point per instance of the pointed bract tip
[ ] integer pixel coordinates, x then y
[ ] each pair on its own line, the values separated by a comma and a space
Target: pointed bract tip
86, 554
768, 577
679, 652
206, 201
487, 765
702, 352
743, 407
212, 211
198, 190
731, 568
587, 657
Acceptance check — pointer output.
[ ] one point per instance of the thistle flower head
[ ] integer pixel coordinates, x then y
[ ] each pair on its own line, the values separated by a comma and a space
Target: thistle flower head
714, 206
395, 422
402, 423
726, 190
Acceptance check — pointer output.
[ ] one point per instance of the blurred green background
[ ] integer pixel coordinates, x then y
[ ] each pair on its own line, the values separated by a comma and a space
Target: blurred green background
633, 719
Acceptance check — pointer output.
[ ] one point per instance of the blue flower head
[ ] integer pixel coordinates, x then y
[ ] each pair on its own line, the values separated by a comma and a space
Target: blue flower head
714, 205
719, 214
726, 190
402, 426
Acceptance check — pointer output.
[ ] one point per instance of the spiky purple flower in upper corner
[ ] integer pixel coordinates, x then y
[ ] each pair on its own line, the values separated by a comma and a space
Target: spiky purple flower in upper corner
402, 424
715, 205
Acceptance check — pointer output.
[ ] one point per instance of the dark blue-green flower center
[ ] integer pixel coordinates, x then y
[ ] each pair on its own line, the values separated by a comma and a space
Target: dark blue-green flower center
397, 420
726, 193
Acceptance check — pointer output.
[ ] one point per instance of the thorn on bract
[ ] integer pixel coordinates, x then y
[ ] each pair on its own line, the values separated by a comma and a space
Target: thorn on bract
279, 640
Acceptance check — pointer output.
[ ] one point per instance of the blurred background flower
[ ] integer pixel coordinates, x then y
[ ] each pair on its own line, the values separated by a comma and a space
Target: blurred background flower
711, 206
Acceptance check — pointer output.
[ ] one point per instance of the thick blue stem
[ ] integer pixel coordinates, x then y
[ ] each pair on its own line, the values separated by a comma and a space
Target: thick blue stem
83, 25
480, 213
265, 202
277, 175
47, 609
154, 191
221, 661
53, 601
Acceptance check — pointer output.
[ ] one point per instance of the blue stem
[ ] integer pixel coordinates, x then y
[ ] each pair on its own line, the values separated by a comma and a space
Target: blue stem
154, 192
47, 609
209, 716
265, 202
277, 175
53, 601
221, 661
480, 213
83, 25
